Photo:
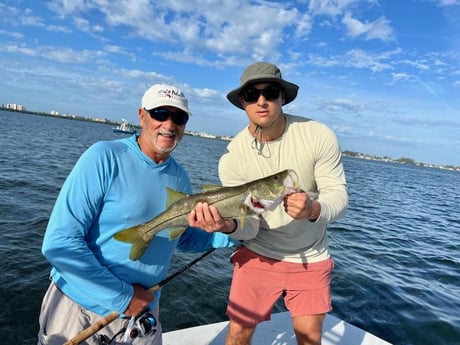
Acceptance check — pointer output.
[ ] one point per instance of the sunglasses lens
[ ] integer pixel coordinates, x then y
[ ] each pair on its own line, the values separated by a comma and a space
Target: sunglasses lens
160, 114
270, 93
251, 95
179, 117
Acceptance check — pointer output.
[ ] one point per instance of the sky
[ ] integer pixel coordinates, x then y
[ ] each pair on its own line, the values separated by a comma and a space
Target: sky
384, 75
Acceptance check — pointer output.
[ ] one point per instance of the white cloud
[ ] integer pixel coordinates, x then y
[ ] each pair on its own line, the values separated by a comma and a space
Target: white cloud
303, 26
375, 62
378, 29
448, 2
357, 58
58, 54
17, 49
82, 24
256, 30
31, 21
420, 65
57, 28
68, 7
331, 8
400, 77
17, 35
341, 105
8, 13
206, 93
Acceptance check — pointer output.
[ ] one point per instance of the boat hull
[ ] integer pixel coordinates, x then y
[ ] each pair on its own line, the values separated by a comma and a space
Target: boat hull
116, 130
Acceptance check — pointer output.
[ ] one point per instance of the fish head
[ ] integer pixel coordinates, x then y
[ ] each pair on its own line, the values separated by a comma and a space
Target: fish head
290, 182
267, 193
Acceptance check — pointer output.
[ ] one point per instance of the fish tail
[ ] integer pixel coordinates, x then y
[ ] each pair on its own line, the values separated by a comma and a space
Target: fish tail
132, 235
137, 249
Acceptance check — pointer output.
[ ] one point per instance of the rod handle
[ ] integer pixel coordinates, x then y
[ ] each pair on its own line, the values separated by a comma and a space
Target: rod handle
154, 288
95, 327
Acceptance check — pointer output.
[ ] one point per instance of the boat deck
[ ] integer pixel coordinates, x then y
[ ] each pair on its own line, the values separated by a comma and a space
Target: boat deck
277, 331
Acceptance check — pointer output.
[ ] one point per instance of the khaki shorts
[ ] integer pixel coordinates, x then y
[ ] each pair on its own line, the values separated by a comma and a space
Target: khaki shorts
259, 281
61, 319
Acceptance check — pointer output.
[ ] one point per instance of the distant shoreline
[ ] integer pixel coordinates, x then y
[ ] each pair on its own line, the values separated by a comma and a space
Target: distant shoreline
228, 138
107, 122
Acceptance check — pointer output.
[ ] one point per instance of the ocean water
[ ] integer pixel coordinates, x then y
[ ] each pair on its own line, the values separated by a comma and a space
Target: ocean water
396, 252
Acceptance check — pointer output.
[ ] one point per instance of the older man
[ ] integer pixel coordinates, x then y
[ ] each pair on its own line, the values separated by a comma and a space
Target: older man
113, 186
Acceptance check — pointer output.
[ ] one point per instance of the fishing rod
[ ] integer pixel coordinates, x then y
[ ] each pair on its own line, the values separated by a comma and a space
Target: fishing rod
100, 324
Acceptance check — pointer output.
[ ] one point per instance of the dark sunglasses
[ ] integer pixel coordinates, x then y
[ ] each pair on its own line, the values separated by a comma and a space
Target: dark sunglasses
161, 114
270, 93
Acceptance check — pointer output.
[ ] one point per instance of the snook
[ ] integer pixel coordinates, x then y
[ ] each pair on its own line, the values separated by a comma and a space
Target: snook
232, 202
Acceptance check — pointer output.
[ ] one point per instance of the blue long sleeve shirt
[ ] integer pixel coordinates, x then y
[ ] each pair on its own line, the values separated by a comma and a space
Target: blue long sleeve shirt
114, 186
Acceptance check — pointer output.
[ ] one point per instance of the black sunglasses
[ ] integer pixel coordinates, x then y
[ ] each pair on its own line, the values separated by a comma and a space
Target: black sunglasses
161, 114
270, 93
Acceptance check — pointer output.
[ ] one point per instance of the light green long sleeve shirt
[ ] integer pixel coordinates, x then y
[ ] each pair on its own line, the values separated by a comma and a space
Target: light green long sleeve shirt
312, 150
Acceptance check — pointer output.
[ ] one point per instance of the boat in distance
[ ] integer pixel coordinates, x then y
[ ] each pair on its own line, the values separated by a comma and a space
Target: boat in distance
124, 127
277, 331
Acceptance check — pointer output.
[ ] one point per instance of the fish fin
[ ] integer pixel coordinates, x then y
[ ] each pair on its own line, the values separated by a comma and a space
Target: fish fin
209, 187
173, 196
138, 249
132, 235
175, 232
128, 235
243, 221
244, 213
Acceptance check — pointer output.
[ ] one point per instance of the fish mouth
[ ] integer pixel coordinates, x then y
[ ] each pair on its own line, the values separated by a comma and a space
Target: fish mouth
262, 205
259, 205
290, 184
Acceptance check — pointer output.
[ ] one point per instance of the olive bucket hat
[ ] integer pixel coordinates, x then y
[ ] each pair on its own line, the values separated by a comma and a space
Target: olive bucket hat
260, 72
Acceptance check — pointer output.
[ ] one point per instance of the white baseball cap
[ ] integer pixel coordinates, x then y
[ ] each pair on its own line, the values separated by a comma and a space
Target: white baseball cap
160, 95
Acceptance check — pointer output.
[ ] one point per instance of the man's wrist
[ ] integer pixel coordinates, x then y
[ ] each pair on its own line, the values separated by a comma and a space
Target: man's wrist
315, 212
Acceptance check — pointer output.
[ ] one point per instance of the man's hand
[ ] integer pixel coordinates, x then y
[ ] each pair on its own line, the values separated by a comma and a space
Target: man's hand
300, 206
140, 300
208, 218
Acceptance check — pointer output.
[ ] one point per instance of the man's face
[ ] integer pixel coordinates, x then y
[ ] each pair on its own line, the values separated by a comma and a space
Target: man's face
163, 135
263, 103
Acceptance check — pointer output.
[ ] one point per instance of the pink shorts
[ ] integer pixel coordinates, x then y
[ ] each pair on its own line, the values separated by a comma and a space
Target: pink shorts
259, 281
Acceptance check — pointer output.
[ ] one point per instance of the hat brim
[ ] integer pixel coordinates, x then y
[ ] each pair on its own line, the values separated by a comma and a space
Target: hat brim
290, 90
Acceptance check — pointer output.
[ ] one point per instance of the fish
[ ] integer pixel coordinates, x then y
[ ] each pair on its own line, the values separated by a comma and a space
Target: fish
251, 198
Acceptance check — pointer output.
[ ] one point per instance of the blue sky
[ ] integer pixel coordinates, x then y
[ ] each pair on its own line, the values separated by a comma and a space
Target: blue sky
384, 75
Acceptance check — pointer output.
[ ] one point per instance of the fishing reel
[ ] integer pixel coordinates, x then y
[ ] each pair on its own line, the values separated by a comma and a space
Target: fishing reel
145, 325
140, 327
